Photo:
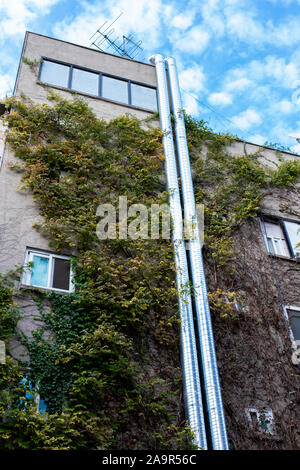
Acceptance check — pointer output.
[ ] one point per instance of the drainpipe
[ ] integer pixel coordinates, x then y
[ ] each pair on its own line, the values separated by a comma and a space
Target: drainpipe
212, 390
189, 359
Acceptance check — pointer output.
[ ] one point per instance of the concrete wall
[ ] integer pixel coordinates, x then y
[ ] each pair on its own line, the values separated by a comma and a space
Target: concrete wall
37, 46
267, 156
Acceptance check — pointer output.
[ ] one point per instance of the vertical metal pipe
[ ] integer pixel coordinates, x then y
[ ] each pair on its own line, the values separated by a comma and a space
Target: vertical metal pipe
212, 388
189, 359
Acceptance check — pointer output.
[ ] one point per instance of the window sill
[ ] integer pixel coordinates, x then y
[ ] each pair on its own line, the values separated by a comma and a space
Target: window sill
285, 258
44, 289
118, 103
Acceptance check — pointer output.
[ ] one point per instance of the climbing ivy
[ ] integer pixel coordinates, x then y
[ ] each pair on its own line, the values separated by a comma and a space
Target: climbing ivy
9, 313
106, 359
231, 187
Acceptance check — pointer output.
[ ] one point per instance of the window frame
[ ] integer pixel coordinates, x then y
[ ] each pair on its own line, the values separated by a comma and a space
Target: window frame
295, 342
100, 88
26, 280
295, 254
34, 394
281, 223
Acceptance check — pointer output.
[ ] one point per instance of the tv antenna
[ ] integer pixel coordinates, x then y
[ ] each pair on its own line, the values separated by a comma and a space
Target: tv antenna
104, 39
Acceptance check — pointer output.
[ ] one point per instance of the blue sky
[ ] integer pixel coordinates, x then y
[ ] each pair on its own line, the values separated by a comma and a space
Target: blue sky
238, 60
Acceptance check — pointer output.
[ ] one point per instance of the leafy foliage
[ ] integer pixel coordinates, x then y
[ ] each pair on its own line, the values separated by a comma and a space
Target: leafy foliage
102, 358
106, 359
231, 187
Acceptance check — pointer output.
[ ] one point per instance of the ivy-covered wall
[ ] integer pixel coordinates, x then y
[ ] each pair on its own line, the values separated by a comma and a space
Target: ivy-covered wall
252, 341
106, 357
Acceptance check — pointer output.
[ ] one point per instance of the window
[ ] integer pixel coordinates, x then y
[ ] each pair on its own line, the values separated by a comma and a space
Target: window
32, 393
114, 89
293, 314
293, 233
141, 94
98, 84
55, 74
84, 81
282, 237
48, 271
275, 240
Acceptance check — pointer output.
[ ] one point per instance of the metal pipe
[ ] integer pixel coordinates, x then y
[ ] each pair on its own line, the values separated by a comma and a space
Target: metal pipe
189, 359
212, 388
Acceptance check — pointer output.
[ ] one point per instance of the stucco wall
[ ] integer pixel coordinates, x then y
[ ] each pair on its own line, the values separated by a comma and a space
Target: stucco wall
37, 46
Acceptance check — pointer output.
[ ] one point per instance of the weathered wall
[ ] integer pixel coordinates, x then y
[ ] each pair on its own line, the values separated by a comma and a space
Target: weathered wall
254, 350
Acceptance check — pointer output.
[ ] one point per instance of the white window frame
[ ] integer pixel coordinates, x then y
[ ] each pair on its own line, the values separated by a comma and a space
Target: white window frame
295, 250
277, 243
295, 343
26, 280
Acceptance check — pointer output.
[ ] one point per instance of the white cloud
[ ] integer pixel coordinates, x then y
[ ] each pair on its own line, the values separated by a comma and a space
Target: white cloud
284, 72
240, 25
6, 85
141, 17
192, 79
295, 148
243, 21
182, 21
257, 139
246, 119
16, 14
190, 104
284, 106
193, 41
266, 80
238, 85
221, 99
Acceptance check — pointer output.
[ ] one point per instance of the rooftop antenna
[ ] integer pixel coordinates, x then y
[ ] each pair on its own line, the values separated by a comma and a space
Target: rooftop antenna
104, 39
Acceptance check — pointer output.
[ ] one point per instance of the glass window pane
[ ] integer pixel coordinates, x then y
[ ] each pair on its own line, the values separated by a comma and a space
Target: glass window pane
55, 74
39, 274
143, 97
270, 246
295, 323
293, 230
114, 89
277, 246
86, 82
273, 230
61, 274
42, 407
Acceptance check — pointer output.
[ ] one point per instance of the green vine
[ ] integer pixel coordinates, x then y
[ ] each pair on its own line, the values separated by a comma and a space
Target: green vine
94, 359
106, 360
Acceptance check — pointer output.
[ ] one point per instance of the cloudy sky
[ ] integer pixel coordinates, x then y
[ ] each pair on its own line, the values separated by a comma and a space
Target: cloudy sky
239, 60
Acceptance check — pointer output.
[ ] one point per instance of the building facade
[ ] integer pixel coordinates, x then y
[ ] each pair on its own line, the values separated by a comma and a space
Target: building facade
257, 349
